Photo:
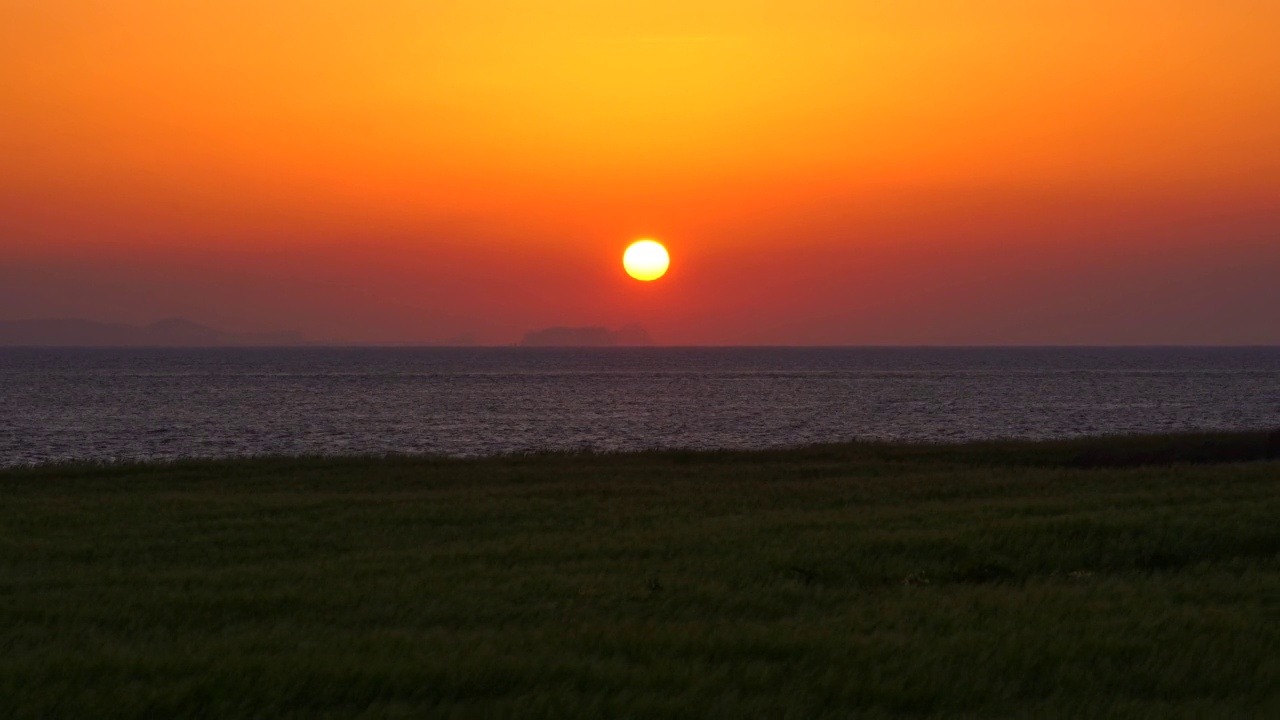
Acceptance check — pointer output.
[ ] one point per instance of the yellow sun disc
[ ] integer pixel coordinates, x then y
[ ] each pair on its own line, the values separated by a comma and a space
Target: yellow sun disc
646, 260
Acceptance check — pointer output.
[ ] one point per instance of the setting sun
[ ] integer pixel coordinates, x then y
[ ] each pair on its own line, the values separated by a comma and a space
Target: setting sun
646, 260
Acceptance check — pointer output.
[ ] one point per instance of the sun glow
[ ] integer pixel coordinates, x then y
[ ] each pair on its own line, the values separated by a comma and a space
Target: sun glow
646, 260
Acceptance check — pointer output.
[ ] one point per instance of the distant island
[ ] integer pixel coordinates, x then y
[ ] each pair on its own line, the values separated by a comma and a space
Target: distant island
595, 336
171, 332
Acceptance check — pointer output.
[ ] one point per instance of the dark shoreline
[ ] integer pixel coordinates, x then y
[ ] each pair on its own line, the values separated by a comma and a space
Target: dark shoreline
1090, 451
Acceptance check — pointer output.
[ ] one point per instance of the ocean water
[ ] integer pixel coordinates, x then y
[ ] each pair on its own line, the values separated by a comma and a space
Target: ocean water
127, 404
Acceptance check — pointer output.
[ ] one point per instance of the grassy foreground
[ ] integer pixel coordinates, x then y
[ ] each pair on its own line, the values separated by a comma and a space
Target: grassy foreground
1126, 577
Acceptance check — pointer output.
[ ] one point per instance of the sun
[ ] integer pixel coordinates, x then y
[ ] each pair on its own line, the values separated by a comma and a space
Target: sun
646, 260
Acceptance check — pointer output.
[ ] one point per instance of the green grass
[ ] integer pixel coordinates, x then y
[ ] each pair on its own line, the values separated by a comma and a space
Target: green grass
1124, 577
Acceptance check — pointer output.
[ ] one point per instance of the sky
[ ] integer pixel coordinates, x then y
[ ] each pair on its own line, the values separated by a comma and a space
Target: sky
823, 173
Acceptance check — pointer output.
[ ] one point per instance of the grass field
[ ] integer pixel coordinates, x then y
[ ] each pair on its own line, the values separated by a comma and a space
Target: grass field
1124, 577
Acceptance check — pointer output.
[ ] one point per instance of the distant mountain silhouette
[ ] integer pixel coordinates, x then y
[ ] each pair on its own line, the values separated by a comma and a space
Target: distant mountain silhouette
170, 332
587, 337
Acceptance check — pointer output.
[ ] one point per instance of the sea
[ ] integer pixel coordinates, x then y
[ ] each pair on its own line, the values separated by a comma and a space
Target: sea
164, 404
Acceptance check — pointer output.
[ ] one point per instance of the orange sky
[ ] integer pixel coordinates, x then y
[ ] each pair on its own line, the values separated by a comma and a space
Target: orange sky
919, 171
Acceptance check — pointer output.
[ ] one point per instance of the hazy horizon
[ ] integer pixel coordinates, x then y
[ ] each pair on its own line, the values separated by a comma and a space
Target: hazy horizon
521, 342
